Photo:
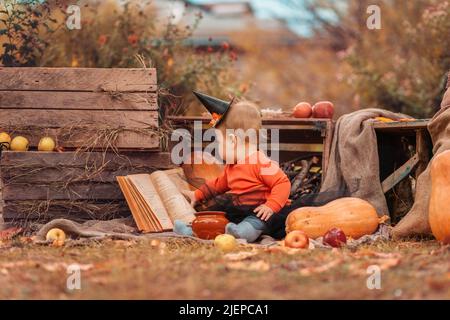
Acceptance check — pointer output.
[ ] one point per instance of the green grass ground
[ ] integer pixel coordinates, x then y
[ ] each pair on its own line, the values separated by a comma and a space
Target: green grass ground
184, 270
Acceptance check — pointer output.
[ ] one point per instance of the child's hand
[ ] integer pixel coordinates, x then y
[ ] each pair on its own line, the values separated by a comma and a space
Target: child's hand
190, 195
263, 212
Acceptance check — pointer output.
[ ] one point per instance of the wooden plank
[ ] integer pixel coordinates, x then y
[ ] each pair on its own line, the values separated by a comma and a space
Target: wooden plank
399, 126
327, 142
300, 147
78, 79
287, 134
110, 160
400, 174
296, 127
22, 211
75, 118
43, 175
310, 123
82, 191
77, 100
423, 151
126, 140
76, 128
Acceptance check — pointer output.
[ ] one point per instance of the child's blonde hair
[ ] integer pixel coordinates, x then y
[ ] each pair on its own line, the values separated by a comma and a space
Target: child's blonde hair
242, 115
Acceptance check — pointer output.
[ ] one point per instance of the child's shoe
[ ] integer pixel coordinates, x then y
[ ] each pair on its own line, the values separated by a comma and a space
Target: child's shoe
182, 228
243, 230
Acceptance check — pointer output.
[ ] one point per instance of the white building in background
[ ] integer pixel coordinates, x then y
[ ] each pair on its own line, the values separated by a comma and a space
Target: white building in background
222, 19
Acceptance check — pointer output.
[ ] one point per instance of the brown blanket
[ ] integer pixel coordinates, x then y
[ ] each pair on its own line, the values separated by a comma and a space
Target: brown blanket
416, 221
123, 229
353, 166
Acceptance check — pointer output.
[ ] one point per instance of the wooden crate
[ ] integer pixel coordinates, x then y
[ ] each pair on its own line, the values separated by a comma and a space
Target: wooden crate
297, 137
405, 149
81, 107
105, 119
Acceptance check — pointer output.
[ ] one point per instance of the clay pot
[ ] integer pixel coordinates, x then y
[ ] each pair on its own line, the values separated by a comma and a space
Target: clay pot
209, 224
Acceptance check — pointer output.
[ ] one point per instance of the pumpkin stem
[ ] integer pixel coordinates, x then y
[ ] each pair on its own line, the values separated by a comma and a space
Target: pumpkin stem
383, 219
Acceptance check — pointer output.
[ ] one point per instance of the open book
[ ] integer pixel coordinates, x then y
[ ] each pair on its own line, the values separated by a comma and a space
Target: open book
155, 199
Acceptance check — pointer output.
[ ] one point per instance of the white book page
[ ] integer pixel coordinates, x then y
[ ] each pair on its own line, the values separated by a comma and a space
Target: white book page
176, 204
144, 185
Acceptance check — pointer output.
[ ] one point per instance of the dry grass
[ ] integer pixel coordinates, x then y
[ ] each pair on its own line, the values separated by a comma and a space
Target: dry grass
185, 270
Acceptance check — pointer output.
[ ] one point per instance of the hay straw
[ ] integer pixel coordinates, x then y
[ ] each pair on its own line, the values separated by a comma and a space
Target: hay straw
44, 210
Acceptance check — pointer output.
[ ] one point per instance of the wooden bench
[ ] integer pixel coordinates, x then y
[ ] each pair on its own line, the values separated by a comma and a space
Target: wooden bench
105, 122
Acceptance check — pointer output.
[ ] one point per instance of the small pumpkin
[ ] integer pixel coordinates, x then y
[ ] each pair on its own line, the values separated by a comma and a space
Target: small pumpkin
439, 211
200, 167
354, 216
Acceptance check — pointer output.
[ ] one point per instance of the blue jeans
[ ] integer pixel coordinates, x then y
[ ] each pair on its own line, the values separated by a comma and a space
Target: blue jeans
256, 222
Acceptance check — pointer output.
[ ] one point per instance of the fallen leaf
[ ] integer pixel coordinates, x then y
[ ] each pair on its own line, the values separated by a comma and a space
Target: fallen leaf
388, 263
155, 243
371, 253
86, 267
438, 284
5, 244
285, 250
52, 267
58, 243
26, 240
18, 264
312, 270
124, 243
100, 280
62, 266
10, 233
259, 265
238, 256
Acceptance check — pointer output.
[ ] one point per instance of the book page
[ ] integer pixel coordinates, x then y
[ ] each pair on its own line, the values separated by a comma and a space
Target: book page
135, 210
146, 213
154, 201
178, 178
176, 204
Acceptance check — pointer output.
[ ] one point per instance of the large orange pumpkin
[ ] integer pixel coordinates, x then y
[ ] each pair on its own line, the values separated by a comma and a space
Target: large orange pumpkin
356, 217
439, 211
202, 167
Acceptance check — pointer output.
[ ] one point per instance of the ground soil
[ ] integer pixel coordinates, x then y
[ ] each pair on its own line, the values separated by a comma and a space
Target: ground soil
188, 270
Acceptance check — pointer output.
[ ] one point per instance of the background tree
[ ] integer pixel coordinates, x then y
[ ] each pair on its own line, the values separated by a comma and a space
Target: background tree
401, 67
22, 23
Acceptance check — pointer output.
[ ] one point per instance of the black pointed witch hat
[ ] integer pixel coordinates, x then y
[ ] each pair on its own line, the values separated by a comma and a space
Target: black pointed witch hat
218, 108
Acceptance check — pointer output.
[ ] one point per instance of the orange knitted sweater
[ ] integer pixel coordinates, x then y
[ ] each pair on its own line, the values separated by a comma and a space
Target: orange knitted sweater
258, 180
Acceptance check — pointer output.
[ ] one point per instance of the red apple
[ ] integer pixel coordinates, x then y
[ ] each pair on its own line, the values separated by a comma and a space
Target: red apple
302, 110
335, 237
296, 239
323, 109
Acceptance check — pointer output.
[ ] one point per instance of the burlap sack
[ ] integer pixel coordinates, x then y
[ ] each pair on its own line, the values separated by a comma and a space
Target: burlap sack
353, 166
415, 223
